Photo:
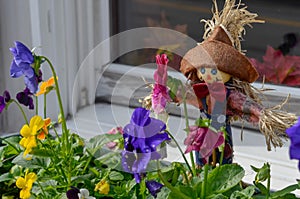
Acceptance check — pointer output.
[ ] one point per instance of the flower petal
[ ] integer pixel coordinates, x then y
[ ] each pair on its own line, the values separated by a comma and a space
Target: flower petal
23, 53
15, 70
31, 83
2, 104
25, 131
142, 160
156, 140
37, 121
73, 193
84, 192
153, 187
21, 183
140, 117
6, 96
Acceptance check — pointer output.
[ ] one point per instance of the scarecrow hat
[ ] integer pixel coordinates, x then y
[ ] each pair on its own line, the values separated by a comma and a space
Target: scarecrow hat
217, 51
221, 46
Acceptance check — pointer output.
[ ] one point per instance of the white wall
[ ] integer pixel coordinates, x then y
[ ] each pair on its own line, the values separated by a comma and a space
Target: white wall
14, 25
66, 32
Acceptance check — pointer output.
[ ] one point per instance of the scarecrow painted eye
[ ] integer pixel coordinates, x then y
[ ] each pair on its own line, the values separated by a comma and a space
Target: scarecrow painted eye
214, 71
202, 70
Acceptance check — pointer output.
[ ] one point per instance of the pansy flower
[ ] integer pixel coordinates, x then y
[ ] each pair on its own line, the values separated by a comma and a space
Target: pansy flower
4, 100
22, 65
85, 194
29, 133
102, 187
204, 140
73, 193
26, 184
141, 137
44, 131
294, 135
24, 97
46, 86
160, 93
153, 187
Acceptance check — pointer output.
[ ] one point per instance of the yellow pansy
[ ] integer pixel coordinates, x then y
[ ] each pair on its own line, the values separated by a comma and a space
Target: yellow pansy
46, 86
29, 132
102, 187
26, 184
44, 130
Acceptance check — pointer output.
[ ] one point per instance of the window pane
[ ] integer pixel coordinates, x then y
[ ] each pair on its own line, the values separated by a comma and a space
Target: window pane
280, 31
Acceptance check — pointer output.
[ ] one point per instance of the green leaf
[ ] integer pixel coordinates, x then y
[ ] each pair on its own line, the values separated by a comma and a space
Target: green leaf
130, 185
223, 178
219, 196
283, 192
34, 163
202, 122
116, 176
42, 152
263, 173
81, 178
244, 194
164, 193
261, 187
99, 141
6, 177
110, 159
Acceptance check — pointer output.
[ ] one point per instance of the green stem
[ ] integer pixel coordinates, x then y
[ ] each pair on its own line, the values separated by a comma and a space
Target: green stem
41, 188
223, 148
173, 189
36, 105
182, 154
268, 187
22, 111
88, 162
45, 106
64, 124
143, 184
187, 129
203, 189
185, 175
10, 144
54, 159
55, 131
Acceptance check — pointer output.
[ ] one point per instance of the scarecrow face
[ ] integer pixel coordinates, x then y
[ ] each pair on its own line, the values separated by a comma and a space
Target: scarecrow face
211, 75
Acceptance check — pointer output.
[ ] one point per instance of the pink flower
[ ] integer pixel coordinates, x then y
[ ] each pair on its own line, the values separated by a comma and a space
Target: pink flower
112, 145
204, 140
160, 95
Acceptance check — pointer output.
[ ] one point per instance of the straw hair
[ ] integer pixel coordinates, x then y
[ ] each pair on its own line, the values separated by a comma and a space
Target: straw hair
273, 123
233, 19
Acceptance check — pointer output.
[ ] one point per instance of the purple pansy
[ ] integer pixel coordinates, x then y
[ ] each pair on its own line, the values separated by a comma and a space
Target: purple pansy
3, 100
160, 94
2, 104
25, 98
21, 65
141, 137
73, 193
6, 96
294, 134
153, 187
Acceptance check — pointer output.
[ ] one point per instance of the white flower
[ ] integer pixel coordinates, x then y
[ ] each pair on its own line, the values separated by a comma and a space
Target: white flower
85, 194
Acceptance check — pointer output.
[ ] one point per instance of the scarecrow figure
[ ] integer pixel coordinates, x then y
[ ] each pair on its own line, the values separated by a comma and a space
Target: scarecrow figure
220, 75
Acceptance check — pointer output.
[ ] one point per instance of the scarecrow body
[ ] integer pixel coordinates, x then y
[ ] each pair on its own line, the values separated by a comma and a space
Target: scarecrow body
220, 75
